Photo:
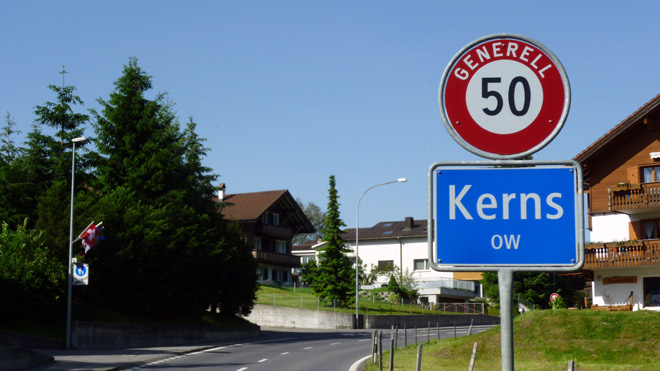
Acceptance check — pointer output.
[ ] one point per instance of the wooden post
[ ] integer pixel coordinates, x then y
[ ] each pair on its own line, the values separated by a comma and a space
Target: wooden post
380, 351
437, 328
396, 335
470, 330
405, 336
391, 354
374, 336
474, 355
428, 333
415, 334
454, 329
419, 358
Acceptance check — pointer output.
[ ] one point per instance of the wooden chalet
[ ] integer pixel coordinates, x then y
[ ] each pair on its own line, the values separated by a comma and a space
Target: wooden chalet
268, 221
622, 183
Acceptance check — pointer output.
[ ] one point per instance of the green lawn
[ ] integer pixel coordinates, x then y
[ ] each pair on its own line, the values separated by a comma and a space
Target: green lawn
547, 340
370, 302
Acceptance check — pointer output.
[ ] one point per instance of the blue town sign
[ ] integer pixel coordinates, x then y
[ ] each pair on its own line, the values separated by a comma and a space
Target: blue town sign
504, 216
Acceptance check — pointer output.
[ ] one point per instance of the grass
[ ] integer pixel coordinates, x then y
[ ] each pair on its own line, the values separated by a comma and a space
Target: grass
547, 340
370, 302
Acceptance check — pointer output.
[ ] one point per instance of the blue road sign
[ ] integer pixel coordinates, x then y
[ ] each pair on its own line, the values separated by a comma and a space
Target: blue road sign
507, 216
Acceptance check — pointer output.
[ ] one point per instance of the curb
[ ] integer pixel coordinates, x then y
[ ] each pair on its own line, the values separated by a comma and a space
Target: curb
359, 364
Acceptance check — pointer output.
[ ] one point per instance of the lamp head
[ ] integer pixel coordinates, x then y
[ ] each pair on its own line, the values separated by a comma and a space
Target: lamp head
402, 180
81, 140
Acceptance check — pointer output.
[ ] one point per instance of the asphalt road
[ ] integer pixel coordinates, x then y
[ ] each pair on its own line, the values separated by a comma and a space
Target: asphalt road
297, 350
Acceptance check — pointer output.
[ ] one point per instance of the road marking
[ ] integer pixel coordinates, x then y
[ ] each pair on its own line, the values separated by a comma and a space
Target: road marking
285, 353
242, 369
307, 348
334, 343
364, 340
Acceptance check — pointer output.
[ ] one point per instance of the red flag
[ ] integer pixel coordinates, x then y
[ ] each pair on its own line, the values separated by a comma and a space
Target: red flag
88, 239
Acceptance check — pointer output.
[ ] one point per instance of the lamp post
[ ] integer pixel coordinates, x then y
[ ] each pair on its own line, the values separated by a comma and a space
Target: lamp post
357, 255
81, 141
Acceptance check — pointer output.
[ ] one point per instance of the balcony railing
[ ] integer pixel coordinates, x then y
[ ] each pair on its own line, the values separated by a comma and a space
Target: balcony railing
269, 257
618, 255
634, 196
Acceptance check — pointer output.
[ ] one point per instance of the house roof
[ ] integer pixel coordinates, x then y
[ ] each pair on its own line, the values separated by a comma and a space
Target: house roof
643, 116
387, 230
251, 206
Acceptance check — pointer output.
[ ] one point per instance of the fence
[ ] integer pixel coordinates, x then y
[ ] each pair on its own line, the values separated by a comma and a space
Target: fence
370, 305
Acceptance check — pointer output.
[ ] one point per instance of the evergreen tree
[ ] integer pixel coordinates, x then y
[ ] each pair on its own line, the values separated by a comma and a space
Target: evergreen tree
334, 275
168, 250
48, 163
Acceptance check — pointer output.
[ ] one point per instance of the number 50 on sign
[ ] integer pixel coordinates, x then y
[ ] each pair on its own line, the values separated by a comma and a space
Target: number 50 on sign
504, 96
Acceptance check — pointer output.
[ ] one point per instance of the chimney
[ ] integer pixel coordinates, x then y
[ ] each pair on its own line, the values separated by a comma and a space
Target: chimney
221, 191
409, 223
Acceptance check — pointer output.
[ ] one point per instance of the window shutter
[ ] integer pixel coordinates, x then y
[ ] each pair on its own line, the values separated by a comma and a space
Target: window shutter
633, 175
635, 230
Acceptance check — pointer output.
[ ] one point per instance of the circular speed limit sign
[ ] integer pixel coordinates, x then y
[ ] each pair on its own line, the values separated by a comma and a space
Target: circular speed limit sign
504, 96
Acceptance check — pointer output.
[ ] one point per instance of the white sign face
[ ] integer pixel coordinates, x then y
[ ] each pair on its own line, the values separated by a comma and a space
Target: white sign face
505, 104
504, 96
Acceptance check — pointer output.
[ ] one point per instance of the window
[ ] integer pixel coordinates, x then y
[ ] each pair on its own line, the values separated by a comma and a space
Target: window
257, 243
280, 247
270, 218
651, 291
650, 174
385, 265
420, 264
651, 228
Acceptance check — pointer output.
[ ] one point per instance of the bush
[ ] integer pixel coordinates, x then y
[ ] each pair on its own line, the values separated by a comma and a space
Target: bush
32, 281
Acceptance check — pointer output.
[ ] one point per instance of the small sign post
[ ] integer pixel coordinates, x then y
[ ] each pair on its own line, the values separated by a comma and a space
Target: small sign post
505, 97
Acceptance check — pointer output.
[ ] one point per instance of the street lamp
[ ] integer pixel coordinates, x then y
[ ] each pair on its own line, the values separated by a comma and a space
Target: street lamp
81, 141
357, 255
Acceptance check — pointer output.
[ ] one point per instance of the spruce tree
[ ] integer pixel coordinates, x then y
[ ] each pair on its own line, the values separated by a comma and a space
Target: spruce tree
334, 275
168, 248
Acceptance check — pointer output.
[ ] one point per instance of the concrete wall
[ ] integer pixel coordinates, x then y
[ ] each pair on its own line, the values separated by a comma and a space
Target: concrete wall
272, 316
96, 335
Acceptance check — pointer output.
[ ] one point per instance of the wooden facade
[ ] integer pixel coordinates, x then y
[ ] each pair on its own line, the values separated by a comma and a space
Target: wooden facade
268, 221
617, 183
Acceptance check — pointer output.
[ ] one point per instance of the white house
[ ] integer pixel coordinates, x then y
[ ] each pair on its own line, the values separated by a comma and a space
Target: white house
404, 244
622, 180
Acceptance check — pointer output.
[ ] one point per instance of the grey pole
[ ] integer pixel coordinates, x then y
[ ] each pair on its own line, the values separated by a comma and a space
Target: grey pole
357, 254
505, 280
82, 141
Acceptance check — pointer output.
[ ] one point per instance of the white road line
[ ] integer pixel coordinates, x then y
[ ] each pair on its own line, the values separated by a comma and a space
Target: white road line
307, 348
242, 369
367, 339
263, 360
334, 343
285, 353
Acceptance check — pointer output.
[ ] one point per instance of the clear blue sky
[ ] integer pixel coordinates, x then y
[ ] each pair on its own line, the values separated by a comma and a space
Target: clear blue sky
289, 92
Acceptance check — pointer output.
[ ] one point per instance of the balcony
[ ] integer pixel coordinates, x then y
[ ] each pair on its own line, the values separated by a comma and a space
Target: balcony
269, 257
627, 196
622, 255
448, 287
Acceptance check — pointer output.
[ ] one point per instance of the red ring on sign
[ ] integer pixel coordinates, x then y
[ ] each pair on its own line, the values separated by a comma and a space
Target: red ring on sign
546, 124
